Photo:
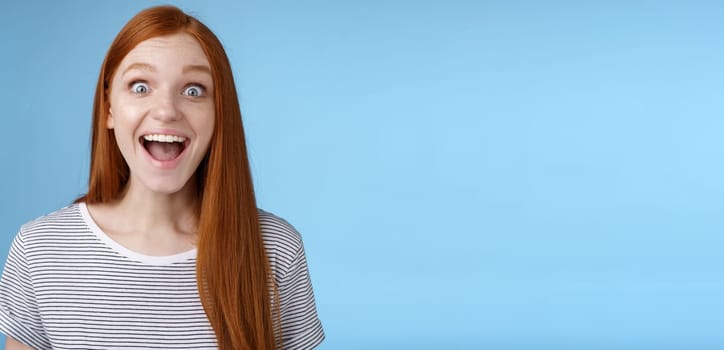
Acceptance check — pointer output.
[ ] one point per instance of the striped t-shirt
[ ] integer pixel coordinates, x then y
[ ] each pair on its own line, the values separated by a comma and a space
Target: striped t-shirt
67, 285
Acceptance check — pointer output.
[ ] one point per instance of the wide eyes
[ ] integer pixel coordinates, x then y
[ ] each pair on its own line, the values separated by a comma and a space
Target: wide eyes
139, 87
193, 90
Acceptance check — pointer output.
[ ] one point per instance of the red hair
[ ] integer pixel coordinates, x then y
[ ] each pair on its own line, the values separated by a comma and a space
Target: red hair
233, 273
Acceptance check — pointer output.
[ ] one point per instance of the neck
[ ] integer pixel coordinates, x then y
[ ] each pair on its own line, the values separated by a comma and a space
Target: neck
159, 212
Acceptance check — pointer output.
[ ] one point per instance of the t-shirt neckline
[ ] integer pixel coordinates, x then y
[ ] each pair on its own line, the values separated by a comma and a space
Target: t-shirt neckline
128, 253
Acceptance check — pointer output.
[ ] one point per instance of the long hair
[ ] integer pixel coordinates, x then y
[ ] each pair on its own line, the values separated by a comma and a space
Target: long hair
233, 274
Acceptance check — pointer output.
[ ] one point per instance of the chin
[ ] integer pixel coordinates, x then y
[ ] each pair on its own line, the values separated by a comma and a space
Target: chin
166, 186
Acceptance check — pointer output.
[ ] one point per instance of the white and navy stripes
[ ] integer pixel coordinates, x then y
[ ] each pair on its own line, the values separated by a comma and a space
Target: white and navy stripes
67, 285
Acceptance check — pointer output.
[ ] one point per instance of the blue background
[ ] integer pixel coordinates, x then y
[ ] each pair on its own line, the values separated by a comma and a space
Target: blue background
465, 174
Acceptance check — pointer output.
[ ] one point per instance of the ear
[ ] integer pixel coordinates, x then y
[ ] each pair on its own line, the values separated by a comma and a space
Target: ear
109, 120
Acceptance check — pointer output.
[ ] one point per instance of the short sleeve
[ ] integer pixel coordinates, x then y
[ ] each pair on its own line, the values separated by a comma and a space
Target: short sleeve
19, 317
301, 327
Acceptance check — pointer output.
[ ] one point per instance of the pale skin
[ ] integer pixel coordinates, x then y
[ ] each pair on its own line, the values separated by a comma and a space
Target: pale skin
162, 87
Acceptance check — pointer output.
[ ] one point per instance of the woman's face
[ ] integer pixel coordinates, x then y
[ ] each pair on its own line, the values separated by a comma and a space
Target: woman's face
162, 111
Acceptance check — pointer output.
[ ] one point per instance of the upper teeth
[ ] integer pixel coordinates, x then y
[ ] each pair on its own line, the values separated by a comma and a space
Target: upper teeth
164, 138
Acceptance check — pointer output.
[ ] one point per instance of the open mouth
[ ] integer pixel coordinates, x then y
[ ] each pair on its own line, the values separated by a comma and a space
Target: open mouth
164, 148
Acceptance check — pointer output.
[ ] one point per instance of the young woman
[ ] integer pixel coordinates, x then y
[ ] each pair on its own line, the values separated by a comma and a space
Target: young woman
167, 249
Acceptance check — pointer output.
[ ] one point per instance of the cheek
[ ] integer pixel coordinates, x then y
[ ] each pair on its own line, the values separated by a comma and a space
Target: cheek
206, 134
205, 124
125, 123
115, 112
125, 115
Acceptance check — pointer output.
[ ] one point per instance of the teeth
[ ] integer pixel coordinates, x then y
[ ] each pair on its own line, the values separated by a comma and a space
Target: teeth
164, 138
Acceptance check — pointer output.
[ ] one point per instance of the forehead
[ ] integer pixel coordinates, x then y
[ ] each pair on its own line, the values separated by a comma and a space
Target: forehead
178, 48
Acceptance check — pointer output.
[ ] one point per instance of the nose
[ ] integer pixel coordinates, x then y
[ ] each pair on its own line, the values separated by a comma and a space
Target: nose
165, 107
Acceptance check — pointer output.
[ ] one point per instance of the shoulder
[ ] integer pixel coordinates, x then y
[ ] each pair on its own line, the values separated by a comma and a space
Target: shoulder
282, 241
48, 234
62, 221
300, 324
279, 235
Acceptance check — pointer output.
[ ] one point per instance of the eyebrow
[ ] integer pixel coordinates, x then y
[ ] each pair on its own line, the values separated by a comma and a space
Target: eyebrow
197, 68
147, 67
139, 66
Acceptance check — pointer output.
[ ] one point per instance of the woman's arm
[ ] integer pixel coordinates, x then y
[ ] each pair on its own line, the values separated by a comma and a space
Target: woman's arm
12, 344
